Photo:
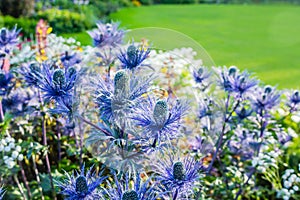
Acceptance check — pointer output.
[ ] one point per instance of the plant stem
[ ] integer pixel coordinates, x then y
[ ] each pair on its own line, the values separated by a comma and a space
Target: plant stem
59, 141
19, 186
47, 156
36, 171
93, 125
44, 133
25, 179
262, 129
1, 111
220, 139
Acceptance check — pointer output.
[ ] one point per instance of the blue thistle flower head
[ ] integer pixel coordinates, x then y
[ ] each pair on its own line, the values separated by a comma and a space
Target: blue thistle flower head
81, 186
160, 120
107, 35
57, 83
140, 190
32, 74
243, 143
70, 59
293, 100
117, 96
265, 99
2, 192
17, 102
201, 75
178, 176
236, 82
6, 82
8, 39
133, 56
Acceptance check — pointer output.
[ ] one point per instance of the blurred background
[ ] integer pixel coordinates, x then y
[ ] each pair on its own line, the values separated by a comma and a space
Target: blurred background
262, 36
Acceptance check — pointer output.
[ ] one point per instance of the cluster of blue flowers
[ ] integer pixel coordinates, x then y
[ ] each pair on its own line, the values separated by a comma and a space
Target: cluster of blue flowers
136, 133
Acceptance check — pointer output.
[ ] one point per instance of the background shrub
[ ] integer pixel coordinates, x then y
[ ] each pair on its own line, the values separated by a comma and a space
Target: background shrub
17, 8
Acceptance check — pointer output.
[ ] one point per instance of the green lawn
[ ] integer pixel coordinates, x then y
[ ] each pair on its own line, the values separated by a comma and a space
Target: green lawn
263, 39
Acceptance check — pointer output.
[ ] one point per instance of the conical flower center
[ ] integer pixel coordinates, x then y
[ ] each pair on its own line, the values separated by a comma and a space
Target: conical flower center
81, 185
160, 112
232, 71
131, 51
59, 77
178, 171
71, 71
130, 195
121, 82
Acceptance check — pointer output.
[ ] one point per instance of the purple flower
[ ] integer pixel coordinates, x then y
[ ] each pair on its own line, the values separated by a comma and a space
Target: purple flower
6, 83
232, 81
115, 98
69, 60
244, 143
242, 84
133, 57
107, 35
160, 120
140, 190
32, 74
293, 100
264, 99
8, 39
201, 74
178, 176
17, 102
81, 186
57, 83
200, 144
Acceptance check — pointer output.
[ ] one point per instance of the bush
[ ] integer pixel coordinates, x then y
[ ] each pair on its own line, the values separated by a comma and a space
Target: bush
65, 21
27, 25
17, 8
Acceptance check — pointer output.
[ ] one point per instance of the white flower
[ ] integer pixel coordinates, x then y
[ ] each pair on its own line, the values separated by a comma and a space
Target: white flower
293, 178
5, 158
7, 149
7, 139
20, 158
18, 149
3, 142
1, 147
14, 154
287, 184
10, 164
296, 188
12, 145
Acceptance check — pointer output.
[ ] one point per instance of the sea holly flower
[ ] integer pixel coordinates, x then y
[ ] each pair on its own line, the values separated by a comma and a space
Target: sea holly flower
6, 82
32, 74
81, 186
160, 120
293, 100
242, 84
265, 99
133, 56
243, 113
140, 190
8, 39
107, 35
17, 102
2, 192
236, 82
178, 176
57, 83
115, 98
69, 60
202, 77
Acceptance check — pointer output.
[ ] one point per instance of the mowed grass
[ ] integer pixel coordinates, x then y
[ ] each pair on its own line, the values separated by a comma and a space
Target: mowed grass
263, 39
